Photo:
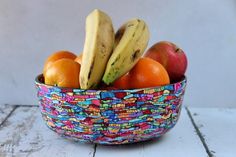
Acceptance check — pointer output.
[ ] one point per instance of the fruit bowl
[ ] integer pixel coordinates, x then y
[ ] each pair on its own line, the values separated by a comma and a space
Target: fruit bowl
110, 116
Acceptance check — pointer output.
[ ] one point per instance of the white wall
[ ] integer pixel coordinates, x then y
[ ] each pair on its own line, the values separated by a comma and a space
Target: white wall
205, 29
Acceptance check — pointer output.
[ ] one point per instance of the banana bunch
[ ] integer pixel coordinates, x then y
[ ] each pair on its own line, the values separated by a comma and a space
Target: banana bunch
108, 56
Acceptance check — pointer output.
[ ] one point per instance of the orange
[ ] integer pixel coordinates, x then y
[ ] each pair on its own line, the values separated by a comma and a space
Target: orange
122, 82
63, 73
56, 56
79, 58
148, 73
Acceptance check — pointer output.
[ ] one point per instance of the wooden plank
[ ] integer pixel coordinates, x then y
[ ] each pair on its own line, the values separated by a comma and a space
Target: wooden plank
25, 134
218, 128
5, 111
182, 140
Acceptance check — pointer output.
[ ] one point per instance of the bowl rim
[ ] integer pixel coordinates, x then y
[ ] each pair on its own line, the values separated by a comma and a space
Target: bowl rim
37, 81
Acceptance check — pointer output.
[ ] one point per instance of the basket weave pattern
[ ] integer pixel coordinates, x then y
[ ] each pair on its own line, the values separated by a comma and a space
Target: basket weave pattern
111, 117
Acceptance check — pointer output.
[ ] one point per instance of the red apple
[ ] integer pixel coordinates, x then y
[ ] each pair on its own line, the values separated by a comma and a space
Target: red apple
171, 57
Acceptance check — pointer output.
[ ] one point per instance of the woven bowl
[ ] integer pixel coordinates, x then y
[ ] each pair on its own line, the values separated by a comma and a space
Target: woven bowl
110, 116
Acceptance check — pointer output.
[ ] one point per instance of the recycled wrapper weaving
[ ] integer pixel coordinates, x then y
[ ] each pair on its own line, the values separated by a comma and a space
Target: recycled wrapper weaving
110, 116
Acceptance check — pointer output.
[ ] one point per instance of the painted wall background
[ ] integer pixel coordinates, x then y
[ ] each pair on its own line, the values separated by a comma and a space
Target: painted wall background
205, 29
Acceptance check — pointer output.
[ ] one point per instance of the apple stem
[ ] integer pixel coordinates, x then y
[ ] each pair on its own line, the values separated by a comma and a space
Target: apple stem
177, 50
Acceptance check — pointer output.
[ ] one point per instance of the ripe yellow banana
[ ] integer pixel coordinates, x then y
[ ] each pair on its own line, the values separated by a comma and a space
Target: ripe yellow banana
99, 42
130, 42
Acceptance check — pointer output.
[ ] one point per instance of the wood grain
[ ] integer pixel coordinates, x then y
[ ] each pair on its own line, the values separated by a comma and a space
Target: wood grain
25, 134
218, 127
5, 111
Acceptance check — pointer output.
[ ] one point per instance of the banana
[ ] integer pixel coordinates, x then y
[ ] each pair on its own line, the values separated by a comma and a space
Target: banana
130, 42
98, 46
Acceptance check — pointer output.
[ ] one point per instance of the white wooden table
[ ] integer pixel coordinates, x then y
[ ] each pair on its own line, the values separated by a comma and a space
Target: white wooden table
200, 132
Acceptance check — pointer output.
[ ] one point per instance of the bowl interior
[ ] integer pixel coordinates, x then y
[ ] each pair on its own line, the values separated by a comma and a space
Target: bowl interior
40, 81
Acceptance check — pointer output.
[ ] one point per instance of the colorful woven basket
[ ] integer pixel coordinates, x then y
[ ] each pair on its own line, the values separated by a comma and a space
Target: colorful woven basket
110, 116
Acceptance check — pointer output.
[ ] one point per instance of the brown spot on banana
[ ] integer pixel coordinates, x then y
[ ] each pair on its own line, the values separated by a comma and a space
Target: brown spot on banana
103, 50
135, 55
115, 60
133, 34
130, 25
119, 35
103, 47
91, 69
123, 60
82, 80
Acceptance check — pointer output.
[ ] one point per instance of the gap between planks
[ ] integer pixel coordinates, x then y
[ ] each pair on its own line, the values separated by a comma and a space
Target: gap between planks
94, 150
14, 107
8, 115
199, 133
22, 105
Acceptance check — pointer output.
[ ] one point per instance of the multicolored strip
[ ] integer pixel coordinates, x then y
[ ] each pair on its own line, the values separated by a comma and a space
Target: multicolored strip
111, 117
